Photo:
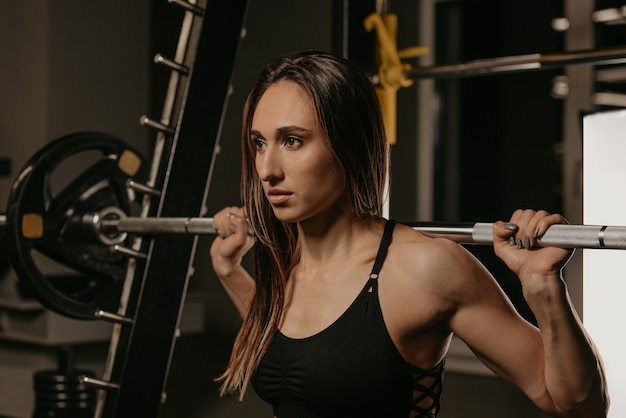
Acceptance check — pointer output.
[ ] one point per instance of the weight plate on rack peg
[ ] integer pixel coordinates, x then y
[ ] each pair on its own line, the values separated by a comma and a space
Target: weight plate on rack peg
63, 267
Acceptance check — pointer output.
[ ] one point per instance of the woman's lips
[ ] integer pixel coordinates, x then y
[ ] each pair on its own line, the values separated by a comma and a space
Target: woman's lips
276, 197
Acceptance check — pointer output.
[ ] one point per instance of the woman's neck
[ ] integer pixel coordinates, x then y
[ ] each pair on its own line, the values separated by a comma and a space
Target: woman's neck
330, 240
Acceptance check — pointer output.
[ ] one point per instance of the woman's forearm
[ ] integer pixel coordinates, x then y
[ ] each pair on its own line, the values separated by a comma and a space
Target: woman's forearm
574, 374
239, 286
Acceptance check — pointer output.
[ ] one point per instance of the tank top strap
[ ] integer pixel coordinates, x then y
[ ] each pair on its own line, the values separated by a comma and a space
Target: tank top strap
382, 250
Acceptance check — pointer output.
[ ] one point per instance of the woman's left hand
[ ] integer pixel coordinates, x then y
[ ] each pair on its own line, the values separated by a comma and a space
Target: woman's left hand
515, 243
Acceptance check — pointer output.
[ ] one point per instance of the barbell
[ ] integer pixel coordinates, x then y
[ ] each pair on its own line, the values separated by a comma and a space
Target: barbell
111, 226
87, 227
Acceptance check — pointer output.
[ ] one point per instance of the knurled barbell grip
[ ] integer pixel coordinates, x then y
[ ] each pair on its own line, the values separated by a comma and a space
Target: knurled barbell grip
558, 235
151, 226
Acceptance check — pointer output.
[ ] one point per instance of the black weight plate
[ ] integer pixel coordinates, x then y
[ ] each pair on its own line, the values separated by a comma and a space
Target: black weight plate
40, 232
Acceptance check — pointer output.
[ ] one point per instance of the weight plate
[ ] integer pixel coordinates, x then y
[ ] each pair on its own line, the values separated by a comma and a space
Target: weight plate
68, 271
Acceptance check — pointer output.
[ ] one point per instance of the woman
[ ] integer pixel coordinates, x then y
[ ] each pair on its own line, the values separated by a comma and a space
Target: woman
350, 315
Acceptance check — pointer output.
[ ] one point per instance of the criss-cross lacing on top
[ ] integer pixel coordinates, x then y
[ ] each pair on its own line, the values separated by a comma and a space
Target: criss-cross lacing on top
427, 389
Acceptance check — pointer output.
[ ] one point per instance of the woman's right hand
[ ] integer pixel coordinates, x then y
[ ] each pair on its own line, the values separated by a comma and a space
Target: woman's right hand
232, 241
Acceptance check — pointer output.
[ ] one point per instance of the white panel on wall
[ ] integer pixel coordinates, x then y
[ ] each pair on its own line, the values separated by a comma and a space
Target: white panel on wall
604, 271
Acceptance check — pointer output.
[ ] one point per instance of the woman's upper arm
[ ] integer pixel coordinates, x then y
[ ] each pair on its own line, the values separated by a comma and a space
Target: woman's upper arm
486, 320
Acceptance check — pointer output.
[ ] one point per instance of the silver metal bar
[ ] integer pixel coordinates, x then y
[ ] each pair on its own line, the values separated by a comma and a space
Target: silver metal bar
160, 59
609, 16
565, 236
611, 75
511, 64
146, 121
459, 232
97, 383
112, 317
129, 252
608, 99
142, 188
151, 226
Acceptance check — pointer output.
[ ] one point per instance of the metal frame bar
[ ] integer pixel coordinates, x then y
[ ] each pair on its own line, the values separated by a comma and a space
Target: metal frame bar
139, 361
519, 63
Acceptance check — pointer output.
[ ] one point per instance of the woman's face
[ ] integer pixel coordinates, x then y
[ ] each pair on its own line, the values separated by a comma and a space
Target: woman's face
297, 168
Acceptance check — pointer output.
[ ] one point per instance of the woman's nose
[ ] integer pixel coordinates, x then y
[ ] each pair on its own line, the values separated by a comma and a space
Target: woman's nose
268, 165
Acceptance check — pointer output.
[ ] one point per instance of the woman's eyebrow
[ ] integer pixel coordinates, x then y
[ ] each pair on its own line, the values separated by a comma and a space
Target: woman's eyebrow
282, 131
291, 128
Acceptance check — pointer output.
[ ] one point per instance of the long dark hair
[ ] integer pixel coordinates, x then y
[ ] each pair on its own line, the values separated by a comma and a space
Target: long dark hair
349, 115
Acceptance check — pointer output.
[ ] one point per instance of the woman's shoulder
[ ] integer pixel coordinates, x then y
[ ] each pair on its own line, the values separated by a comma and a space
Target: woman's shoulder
426, 280
408, 241
423, 260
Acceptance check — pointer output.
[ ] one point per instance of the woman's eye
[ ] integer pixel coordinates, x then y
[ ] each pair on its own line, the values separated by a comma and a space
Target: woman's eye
258, 144
292, 141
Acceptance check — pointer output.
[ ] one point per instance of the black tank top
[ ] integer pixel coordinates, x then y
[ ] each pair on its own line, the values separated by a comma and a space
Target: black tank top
350, 369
